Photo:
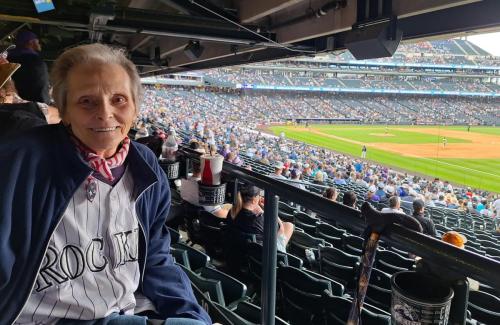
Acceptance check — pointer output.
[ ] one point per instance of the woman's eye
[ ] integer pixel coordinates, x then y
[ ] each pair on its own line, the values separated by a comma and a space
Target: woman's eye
85, 101
119, 99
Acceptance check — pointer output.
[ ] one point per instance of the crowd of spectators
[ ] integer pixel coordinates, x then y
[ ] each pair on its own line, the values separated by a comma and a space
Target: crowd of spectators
264, 107
221, 120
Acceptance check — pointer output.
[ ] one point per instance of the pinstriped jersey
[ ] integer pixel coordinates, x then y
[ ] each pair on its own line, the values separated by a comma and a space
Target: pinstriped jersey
90, 268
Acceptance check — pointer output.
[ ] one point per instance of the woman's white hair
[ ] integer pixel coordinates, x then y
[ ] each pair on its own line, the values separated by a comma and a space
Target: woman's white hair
93, 54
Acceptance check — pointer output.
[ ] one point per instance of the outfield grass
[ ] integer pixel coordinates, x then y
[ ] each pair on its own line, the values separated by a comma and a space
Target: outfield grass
377, 134
478, 173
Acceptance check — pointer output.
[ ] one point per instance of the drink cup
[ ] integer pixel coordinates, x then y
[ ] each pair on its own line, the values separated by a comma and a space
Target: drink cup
211, 169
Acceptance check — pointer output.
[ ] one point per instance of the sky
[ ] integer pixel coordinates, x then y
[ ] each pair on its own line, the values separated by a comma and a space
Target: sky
489, 42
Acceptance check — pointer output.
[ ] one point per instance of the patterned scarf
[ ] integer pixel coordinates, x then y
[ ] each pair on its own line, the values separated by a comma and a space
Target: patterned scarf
100, 165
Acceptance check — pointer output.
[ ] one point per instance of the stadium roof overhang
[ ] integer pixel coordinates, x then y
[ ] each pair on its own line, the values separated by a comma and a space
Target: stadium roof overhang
229, 32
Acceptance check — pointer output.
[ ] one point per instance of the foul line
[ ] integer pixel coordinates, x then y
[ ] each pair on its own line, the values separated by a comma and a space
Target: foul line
463, 167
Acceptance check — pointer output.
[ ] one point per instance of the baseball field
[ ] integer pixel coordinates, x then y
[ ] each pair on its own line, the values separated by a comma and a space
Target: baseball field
453, 153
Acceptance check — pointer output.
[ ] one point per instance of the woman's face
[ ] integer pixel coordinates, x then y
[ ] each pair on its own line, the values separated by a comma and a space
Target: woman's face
100, 107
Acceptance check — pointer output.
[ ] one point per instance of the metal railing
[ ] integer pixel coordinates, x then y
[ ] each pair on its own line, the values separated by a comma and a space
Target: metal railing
434, 251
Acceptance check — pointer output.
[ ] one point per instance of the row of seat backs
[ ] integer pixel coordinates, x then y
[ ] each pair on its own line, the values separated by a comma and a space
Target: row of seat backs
308, 298
484, 307
218, 286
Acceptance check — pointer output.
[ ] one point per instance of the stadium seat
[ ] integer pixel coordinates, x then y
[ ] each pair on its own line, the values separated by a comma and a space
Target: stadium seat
338, 265
475, 250
353, 244
180, 256
330, 234
253, 313
233, 289
212, 288
235, 249
213, 311
301, 296
282, 206
234, 318
484, 307
254, 260
197, 259
287, 217
211, 234
330, 230
391, 262
337, 312
305, 247
175, 236
337, 287
305, 218
379, 289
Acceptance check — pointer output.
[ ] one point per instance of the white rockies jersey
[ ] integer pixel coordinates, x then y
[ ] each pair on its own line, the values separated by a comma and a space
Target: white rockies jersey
90, 269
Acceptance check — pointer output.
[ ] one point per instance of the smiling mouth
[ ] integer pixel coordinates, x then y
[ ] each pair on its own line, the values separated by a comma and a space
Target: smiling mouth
105, 129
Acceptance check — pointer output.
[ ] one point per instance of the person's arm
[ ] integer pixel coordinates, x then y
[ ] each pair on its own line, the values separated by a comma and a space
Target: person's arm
432, 228
165, 284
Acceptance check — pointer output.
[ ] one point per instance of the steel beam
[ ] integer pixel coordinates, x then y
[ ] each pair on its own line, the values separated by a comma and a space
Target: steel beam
334, 21
253, 10
404, 8
452, 21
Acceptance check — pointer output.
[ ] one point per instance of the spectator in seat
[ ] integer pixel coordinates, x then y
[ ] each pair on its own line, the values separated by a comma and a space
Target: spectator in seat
247, 216
295, 176
32, 79
16, 114
339, 180
233, 158
381, 193
426, 223
394, 205
350, 199
371, 196
278, 170
331, 194
440, 202
91, 199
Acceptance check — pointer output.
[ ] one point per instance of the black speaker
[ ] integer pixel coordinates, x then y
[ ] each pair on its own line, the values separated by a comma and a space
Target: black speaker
374, 41
193, 50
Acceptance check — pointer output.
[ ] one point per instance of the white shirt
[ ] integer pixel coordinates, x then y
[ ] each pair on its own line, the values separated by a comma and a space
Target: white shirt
496, 207
391, 210
91, 267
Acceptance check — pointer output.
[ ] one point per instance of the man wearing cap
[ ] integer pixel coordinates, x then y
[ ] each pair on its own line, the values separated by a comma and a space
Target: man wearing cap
32, 79
278, 170
426, 223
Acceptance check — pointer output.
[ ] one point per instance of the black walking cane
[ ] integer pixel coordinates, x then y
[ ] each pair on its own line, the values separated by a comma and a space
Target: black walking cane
376, 224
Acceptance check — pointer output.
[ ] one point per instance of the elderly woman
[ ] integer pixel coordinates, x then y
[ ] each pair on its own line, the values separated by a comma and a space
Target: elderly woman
82, 208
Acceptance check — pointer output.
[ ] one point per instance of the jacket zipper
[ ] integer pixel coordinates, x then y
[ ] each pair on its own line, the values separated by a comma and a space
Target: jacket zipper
144, 235
40, 265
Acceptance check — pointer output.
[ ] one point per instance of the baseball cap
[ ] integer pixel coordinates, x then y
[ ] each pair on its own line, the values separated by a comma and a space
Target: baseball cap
295, 173
249, 191
24, 37
418, 204
278, 165
454, 238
